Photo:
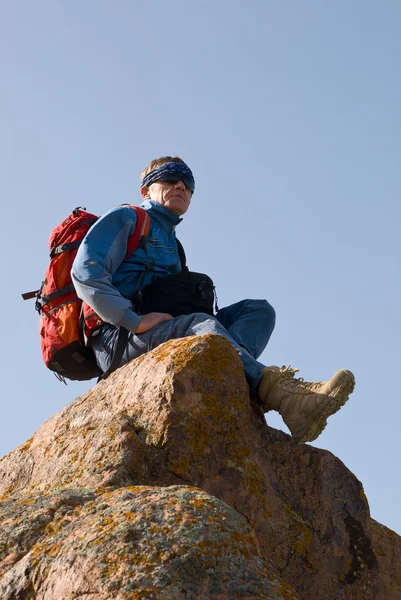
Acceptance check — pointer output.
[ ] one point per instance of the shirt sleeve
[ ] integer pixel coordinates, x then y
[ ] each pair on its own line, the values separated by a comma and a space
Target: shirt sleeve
100, 254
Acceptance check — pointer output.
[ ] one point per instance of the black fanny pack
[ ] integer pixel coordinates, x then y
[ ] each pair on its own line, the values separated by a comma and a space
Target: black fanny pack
182, 293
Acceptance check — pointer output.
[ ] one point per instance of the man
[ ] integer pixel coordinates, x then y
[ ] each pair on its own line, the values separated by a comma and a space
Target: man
108, 284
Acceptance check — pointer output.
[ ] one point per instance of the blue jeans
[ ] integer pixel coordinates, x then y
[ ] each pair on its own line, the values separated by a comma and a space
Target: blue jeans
247, 325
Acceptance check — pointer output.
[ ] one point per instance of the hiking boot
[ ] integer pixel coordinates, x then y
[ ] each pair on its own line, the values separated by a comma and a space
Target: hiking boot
304, 406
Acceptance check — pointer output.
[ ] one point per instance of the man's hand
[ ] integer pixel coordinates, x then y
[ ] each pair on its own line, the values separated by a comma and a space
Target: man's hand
151, 320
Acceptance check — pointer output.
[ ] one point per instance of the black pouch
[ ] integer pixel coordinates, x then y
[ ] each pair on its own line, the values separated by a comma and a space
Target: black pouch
182, 293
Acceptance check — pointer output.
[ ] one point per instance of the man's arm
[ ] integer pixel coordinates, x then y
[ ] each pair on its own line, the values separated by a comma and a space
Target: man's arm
99, 256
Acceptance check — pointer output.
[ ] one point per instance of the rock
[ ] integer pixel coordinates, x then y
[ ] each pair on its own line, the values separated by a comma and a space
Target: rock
163, 482
387, 548
134, 542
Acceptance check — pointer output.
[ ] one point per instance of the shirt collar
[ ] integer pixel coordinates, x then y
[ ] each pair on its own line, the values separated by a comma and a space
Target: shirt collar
161, 214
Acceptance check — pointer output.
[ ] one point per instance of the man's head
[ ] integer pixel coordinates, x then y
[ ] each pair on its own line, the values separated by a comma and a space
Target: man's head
168, 181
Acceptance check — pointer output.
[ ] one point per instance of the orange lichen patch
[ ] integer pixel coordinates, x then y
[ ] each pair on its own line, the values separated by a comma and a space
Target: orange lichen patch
362, 496
255, 478
304, 541
304, 533
208, 356
24, 447
286, 591
180, 466
27, 519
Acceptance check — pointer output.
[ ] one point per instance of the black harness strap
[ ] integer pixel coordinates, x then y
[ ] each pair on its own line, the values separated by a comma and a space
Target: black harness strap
48, 313
66, 290
181, 254
64, 248
121, 344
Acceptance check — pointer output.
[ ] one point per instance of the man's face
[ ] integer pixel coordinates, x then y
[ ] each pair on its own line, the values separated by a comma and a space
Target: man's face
173, 195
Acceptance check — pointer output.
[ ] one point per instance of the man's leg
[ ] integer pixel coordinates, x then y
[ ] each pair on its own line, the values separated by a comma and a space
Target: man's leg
304, 406
250, 323
179, 327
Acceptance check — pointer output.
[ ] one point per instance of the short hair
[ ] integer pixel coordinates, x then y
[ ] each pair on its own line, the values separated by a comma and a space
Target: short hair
160, 161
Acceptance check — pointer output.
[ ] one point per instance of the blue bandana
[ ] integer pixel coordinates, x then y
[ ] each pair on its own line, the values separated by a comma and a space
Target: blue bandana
171, 171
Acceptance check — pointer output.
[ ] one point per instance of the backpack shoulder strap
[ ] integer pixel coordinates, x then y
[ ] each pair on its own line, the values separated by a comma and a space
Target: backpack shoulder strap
181, 254
141, 230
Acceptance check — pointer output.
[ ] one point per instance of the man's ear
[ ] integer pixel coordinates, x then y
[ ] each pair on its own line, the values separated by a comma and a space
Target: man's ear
145, 192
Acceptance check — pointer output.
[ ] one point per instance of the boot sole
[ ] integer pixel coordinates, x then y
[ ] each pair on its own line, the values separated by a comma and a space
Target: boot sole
318, 421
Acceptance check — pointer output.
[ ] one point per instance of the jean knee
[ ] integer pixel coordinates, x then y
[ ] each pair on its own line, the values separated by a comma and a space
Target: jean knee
269, 314
199, 317
206, 323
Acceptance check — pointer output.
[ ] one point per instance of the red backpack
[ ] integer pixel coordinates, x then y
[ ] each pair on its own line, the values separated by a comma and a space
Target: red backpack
64, 317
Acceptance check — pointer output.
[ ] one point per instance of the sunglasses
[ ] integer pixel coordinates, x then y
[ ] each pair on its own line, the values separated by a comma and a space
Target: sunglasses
174, 179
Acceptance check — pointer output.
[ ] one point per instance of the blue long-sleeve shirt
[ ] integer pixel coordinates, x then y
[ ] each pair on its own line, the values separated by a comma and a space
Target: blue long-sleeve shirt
104, 280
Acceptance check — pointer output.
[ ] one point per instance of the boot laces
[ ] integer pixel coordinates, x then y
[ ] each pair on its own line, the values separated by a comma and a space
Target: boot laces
292, 381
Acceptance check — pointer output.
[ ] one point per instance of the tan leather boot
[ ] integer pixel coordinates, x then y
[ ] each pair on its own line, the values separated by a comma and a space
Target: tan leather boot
304, 406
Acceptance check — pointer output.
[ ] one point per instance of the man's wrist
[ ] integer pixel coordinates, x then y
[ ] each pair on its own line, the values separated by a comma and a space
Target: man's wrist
131, 320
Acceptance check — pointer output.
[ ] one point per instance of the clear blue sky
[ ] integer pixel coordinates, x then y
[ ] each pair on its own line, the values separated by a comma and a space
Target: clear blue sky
288, 114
